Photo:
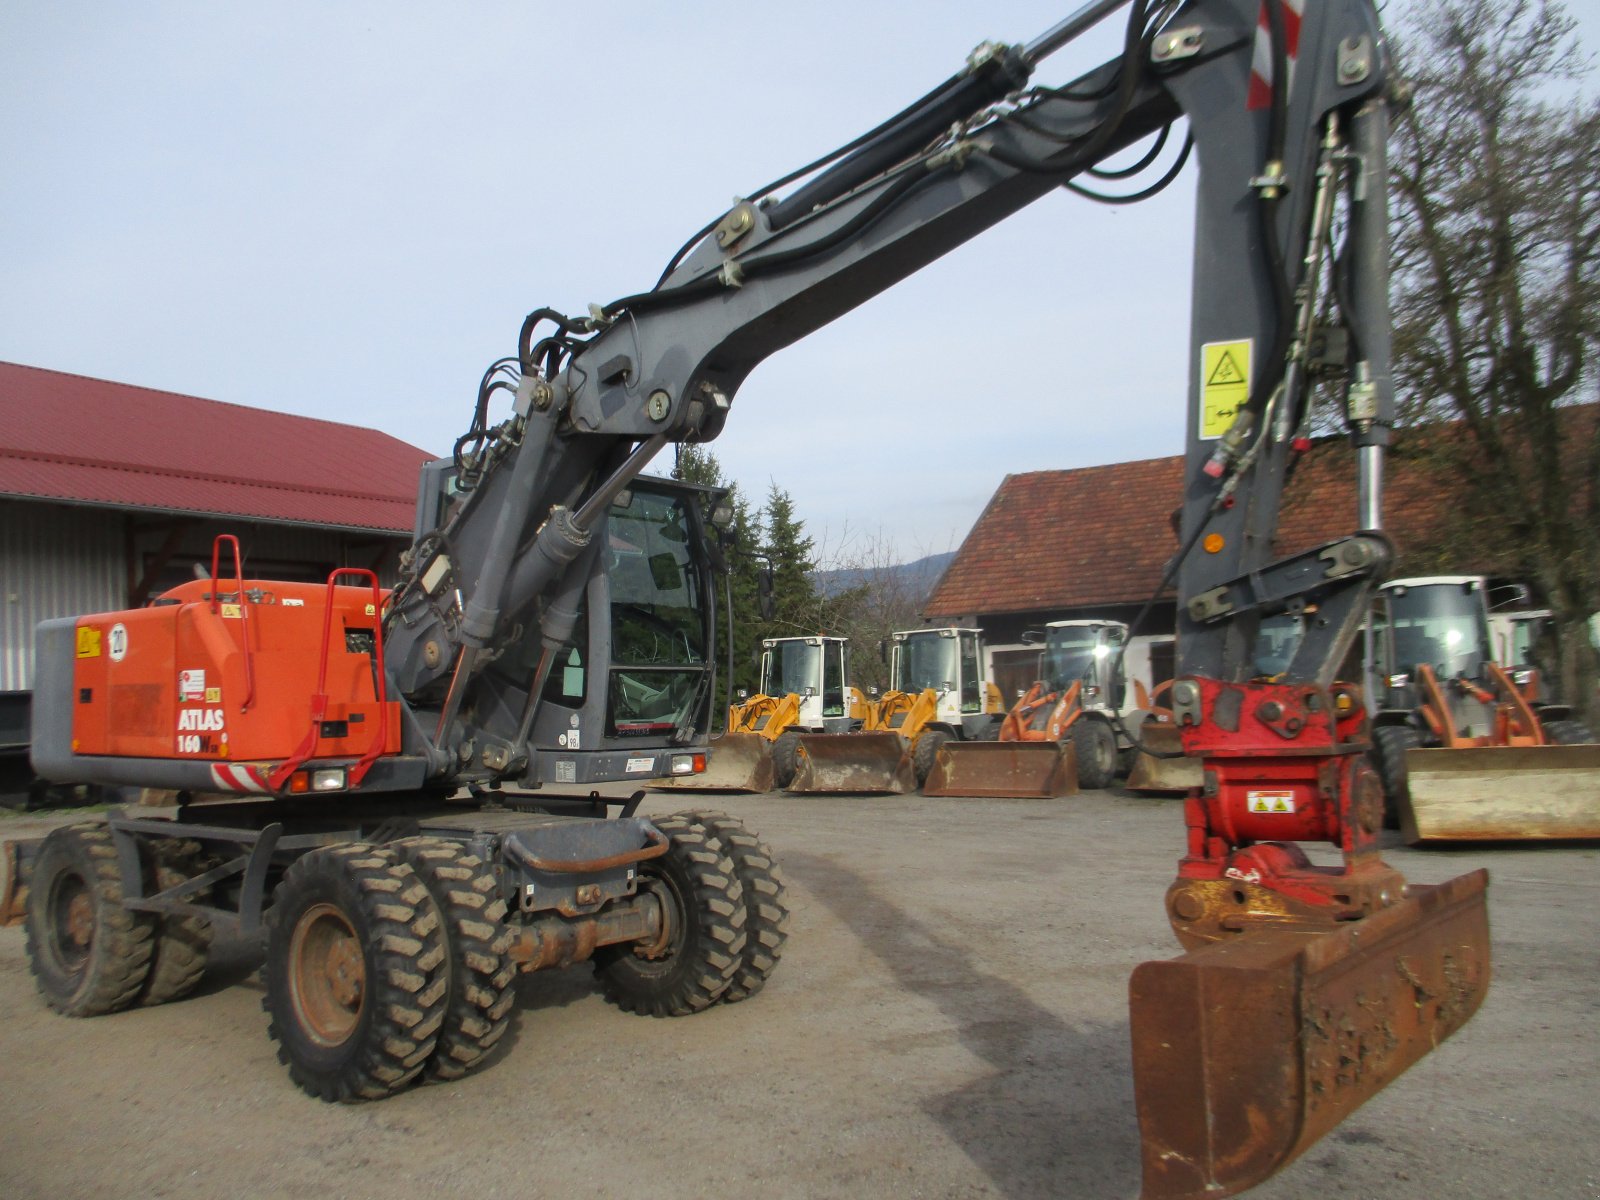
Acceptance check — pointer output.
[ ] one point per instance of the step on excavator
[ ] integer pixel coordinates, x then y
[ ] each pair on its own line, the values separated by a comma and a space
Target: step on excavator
390, 782
937, 695
1464, 751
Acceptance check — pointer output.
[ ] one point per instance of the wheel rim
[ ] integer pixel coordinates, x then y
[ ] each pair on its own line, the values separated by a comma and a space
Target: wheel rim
71, 911
327, 974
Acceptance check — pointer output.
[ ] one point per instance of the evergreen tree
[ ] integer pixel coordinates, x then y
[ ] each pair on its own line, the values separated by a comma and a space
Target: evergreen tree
797, 608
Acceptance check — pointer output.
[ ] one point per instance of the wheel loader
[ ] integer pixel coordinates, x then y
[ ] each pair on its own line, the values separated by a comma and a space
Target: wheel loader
802, 692
1465, 751
1069, 730
937, 693
390, 781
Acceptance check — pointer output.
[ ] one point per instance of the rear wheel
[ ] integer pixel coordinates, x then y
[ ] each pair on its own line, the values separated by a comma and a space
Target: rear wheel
355, 975
1389, 746
702, 943
481, 994
926, 751
182, 943
1096, 747
1569, 733
784, 754
766, 915
89, 955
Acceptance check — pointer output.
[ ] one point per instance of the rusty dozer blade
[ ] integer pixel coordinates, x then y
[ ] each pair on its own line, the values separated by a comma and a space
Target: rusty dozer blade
1014, 770
1152, 774
735, 762
18, 858
1246, 1051
1502, 793
853, 762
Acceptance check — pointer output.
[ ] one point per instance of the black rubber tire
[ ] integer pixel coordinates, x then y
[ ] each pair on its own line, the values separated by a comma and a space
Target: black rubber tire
766, 914
925, 751
1569, 732
1097, 752
182, 943
363, 908
784, 754
89, 955
705, 941
481, 995
1389, 746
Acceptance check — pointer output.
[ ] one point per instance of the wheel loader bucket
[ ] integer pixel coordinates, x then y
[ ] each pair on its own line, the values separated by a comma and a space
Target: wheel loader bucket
1153, 774
1019, 770
18, 859
1501, 793
735, 762
1245, 1052
853, 762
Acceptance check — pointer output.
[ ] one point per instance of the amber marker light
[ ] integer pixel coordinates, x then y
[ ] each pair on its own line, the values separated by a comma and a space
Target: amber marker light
1213, 543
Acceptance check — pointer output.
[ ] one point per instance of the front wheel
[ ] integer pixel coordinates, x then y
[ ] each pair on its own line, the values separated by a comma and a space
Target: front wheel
355, 974
1389, 746
89, 955
1569, 733
694, 961
1096, 746
926, 751
766, 914
785, 756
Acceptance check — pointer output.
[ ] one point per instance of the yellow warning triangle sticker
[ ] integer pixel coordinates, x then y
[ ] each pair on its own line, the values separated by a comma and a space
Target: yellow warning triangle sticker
1225, 372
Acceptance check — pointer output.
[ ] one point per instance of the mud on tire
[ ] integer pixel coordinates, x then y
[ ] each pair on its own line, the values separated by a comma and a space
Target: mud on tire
766, 914
89, 955
480, 995
355, 973
696, 961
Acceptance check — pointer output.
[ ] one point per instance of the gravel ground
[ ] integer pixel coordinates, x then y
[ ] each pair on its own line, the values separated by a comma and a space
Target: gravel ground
949, 1020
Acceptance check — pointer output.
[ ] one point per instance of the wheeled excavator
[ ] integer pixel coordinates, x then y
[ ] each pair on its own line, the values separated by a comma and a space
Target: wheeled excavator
552, 631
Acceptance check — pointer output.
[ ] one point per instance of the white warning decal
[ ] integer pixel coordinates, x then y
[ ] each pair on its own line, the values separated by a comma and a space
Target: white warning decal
1270, 802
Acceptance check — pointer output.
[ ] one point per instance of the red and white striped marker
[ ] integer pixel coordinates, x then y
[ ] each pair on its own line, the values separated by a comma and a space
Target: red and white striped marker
238, 777
1260, 94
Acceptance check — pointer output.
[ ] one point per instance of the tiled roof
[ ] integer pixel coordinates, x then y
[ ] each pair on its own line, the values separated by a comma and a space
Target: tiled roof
1101, 535
67, 437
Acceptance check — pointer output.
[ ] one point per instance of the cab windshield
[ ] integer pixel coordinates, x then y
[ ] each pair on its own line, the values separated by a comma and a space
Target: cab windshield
791, 667
927, 661
1439, 624
658, 625
1070, 653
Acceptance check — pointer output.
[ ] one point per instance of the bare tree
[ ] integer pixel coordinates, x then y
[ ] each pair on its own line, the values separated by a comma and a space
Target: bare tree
1497, 291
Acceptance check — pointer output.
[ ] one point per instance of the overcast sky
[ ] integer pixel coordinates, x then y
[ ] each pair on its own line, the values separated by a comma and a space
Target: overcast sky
345, 210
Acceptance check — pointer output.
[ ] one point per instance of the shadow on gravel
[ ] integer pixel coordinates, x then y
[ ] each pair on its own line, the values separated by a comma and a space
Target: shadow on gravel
1056, 1115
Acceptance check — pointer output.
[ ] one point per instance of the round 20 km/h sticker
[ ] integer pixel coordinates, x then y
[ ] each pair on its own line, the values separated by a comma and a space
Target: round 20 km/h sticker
117, 642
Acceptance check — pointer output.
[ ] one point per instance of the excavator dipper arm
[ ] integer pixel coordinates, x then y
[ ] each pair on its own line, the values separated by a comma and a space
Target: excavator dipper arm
1329, 980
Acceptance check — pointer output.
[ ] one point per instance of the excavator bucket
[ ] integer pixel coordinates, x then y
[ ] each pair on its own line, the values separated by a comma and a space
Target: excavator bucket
1247, 1051
14, 881
735, 762
1502, 793
853, 762
1020, 770
1160, 774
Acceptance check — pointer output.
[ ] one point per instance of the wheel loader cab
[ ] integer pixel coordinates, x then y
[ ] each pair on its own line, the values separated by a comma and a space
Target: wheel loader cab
946, 660
815, 670
1084, 651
